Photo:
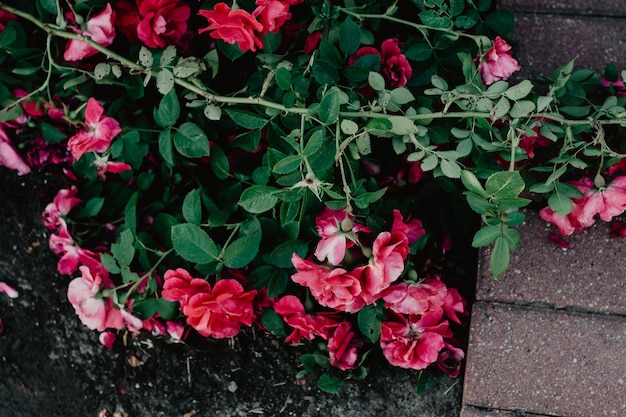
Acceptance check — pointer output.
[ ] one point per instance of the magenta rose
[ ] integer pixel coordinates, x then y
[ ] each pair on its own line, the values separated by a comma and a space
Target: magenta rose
233, 26
163, 22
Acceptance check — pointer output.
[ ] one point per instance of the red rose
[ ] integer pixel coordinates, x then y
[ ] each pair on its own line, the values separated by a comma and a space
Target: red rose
233, 26
395, 66
163, 22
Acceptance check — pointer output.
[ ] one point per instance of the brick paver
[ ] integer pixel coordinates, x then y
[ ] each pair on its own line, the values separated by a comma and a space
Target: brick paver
590, 276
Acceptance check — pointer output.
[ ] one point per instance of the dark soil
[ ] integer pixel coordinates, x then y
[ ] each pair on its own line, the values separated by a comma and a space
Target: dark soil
51, 365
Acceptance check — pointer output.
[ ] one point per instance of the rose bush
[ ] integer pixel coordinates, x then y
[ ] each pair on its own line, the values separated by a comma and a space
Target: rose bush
307, 168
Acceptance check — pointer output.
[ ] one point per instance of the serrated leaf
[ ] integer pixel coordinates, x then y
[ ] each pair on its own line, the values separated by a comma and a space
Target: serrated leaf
165, 146
329, 107
188, 67
123, 250
505, 184
165, 81
560, 203
486, 235
519, 91
450, 168
501, 108
470, 182
283, 78
522, 108
246, 247
192, 208
543, 102
479, 204
349, 36
500, 256
401, 96
369, 323
246, 119
168, 55
329, 383
376, 81
288, 164
273, 322
145, 57
429, 163
168, 111
213, 112
190, 141
258, 198
193, 244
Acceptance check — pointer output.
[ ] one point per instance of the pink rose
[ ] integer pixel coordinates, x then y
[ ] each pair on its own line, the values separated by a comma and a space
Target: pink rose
450, 360
272, 14
64, 201
233, 26
498, 63
608, 202
338, 232
389, 252
414, 343
107, 339
342, 347
221, 311
9, 156
413, 230
95, 311
163, 22
72, 255
395, 66
304, 326
8, 290
410, 298
334, 288
98, 132
100, 29
180, 286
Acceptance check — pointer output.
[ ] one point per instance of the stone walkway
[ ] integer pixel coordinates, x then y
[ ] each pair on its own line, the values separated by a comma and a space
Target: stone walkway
548, 337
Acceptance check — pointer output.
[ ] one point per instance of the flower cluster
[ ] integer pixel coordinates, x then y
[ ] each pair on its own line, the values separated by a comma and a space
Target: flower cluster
310, 169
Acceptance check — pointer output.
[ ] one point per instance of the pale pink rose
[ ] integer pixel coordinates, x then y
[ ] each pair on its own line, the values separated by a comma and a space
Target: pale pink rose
133, 323
221, 312
304, 326
233, 26
338, 232
107, 339
498, 63
179, 286
64, 201
394, 65
98, 132
72, 255
95, 311
334, 288
100, 29
8, 290
408, 298
450, 360
416, 342
342, 347
163, 22
9, 156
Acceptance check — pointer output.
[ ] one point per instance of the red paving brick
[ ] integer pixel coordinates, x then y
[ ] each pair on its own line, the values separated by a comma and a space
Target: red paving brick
590, 276
476, 412
602, 8
546, 362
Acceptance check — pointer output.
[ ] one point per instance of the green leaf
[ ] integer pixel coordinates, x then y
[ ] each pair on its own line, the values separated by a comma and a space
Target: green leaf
325, 72
190, 141
288, 164
505, 184
212, 112
513, 219
192, 208
486, 235
245, 248
258, 198
123, 250
519, 91
93, 206
283, 78
450, 168
193, 244
575, 111
376, 81
219, 163
429, 163
329, 107
426, 382
165, 146
430, 18
500, 256
501, 108
109, 263
369, 322
543, 102
273, 322
522, 108
246, 119
278, 283
49, 6
167, 310
329, 383
512, 237
401, 96
348, 127
556, 174
165, 81
477, 203
560, 203
281, 255
168, 111
419, 52
349, 37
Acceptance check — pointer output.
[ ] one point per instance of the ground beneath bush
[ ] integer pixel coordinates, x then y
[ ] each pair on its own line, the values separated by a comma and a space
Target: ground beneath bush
51, 365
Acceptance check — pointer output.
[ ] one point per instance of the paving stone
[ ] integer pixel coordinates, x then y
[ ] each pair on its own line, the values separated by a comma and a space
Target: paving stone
603, 8
591, 275
546, 362
544, 42
476, 412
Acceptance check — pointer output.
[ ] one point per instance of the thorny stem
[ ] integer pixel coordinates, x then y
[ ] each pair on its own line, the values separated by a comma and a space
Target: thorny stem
258, 101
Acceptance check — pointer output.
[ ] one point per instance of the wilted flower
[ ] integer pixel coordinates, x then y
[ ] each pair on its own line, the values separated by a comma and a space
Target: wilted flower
498, 63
